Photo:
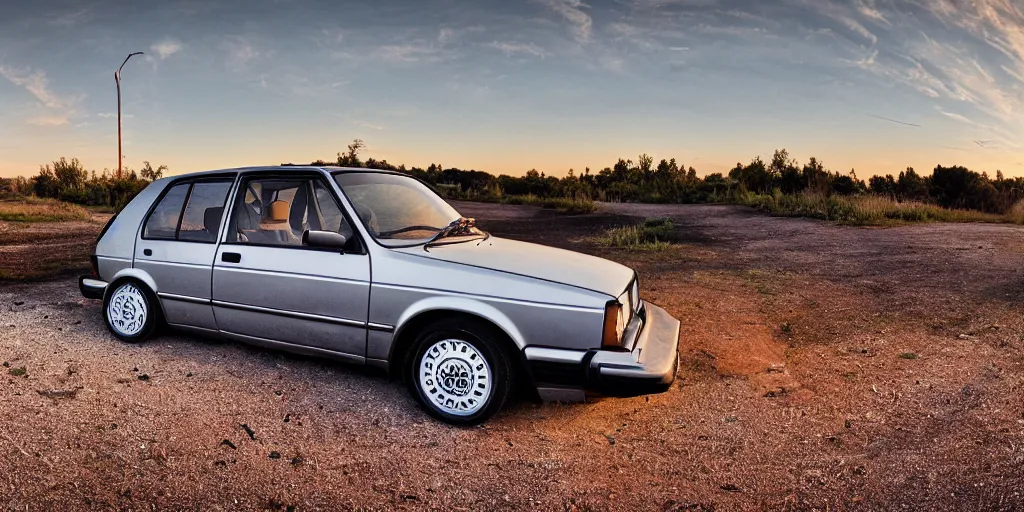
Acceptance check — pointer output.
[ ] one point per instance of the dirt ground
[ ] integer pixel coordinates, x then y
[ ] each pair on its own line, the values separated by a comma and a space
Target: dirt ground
31, 251
824, 368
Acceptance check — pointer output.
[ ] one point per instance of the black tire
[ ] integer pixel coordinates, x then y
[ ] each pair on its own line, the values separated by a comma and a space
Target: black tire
146, 299
500, 377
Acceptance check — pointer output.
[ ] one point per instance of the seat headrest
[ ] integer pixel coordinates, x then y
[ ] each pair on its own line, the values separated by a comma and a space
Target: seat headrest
278, 211
211, 219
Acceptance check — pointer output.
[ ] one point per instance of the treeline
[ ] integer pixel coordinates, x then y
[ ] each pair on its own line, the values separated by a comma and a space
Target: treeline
666, 181
671, 182
68, 180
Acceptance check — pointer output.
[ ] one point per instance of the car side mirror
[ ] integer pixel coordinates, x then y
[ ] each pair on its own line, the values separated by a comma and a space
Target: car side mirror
326, 239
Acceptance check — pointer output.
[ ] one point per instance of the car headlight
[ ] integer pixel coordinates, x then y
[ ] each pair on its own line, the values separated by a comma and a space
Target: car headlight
614, 324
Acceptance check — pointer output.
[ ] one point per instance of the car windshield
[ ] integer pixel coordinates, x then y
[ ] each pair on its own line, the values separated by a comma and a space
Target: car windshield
398, 210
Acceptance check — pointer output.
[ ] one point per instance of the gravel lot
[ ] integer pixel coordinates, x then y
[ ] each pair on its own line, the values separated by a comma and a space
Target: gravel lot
825, 368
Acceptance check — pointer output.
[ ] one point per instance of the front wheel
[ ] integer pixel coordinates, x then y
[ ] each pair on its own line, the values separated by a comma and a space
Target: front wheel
460, 374
130, 311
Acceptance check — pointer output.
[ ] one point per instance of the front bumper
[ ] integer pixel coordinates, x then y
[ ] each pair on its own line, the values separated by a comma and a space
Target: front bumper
91, 287
650, 367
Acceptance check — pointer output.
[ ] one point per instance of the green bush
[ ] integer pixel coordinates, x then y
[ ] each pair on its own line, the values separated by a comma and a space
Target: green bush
652, 235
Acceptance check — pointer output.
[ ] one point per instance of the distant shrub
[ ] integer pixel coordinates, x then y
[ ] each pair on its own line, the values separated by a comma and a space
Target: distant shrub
652, 235
35, 209
862, 210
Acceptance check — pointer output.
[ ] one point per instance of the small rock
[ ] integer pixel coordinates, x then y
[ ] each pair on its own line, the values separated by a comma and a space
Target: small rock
287, 418
275, 455
251, 432
731, 419
59, 393
189, 374
848, 424
964, 337
297, 460
19, 302
21, 371
730, 488
229, 444
7, 365
611, 439
144, 377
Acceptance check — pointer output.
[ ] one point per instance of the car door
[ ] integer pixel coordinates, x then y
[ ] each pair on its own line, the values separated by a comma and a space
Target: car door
177, 244
270, 289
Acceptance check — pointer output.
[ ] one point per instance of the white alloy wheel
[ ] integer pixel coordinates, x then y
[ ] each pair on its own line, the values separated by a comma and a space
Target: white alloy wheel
127, 311
455, 377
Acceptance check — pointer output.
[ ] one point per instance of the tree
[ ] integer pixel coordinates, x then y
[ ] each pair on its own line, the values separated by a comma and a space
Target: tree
148, 173
351, 157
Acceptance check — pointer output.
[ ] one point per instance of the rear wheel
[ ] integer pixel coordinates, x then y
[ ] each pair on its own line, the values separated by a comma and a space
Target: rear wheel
459, 372
130, 311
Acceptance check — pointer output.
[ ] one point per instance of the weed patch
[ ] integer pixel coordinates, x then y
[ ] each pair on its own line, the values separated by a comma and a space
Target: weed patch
33, 209
652, 235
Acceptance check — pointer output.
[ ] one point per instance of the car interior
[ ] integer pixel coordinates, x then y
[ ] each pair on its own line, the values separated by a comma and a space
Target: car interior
277, 212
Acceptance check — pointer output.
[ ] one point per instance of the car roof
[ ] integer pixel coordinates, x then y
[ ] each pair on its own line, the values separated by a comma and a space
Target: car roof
281, 168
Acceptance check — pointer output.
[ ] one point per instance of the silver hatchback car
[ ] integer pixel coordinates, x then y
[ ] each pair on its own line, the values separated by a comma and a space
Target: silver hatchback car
373, 267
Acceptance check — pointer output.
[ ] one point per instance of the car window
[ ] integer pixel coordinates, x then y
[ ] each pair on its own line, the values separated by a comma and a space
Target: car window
201, 220
163, 221
396, 210
276, 211
333, 220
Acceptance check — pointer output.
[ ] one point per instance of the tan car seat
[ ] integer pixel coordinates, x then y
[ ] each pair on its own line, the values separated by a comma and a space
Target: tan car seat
276, 222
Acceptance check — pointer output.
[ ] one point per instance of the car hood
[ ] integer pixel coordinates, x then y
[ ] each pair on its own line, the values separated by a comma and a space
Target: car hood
536, 261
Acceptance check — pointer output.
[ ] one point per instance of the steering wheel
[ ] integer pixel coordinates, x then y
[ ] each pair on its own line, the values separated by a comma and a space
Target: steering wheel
368, 217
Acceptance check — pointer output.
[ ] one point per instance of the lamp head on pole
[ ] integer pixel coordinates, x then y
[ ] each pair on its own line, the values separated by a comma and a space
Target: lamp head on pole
117, 74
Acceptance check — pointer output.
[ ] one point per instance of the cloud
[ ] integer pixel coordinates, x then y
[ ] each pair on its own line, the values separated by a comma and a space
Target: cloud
513, 48
867, 9
72, 18
958, 117
572, 11
408, 52
36, 83
48, 120
112, 115
445, 35
364, 124
166, 48
239, 52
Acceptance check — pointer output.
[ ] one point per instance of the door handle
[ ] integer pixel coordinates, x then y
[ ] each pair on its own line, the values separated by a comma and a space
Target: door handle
231, 257
147, 252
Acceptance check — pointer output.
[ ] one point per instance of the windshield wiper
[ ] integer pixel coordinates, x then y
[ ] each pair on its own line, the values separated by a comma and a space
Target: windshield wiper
458, 227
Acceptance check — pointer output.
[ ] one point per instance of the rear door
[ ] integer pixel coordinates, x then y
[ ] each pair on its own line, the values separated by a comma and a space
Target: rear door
271, 290
177, 244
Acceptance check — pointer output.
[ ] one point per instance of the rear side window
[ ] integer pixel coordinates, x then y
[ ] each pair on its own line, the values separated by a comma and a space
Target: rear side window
189, 212
201, 219
163, 221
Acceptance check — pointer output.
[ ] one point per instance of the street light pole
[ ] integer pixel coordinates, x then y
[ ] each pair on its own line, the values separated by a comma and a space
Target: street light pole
117, 80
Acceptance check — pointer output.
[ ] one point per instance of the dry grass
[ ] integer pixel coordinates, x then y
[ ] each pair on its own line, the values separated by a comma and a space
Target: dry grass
34, 209
869, 209
652, 235
562, 204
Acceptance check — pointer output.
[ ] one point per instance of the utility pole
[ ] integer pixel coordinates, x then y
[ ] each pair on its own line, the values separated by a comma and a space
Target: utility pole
117, 80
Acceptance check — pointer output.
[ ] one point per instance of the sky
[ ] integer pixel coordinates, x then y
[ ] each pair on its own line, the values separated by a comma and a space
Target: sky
505, 86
